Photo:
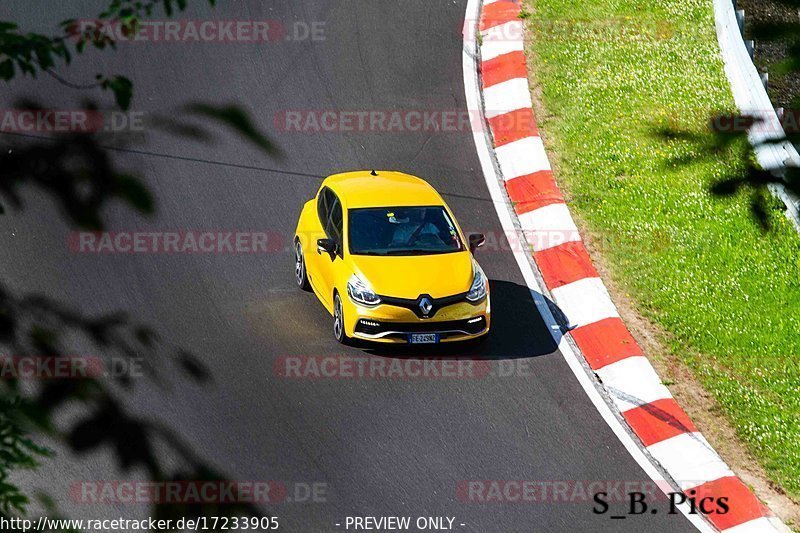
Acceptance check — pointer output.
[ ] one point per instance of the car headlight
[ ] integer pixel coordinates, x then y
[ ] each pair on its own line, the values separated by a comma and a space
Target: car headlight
360, 292
477, 291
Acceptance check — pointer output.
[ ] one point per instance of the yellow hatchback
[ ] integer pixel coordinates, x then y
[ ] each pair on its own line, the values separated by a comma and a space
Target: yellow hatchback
384, 254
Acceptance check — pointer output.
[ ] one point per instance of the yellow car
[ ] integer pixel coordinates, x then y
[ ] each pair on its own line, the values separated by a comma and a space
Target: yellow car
383, 253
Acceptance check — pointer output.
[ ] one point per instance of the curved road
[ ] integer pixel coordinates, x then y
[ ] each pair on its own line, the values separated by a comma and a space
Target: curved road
383, 447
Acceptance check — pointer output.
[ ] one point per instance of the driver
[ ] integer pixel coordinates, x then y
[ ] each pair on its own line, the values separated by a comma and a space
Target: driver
408, 231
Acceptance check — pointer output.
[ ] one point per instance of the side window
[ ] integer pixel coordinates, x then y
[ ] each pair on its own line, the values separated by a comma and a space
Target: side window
322, 208
335, 226
330, 214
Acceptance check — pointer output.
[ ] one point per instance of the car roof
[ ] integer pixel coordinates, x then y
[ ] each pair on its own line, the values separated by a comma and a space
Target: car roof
386, 189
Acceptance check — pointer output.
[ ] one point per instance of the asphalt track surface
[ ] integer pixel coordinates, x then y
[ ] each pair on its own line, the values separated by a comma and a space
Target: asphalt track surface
382, 446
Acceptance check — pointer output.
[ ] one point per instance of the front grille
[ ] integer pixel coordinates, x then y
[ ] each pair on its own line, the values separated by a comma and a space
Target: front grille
374, 327
435, 303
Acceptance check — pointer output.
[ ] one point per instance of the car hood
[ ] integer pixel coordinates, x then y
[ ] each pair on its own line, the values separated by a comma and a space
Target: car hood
400, 276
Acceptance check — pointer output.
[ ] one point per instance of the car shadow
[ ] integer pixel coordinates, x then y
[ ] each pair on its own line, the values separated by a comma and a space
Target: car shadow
517, 331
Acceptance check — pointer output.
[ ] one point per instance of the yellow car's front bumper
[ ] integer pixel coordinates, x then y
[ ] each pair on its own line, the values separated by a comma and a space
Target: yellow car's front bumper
392, 324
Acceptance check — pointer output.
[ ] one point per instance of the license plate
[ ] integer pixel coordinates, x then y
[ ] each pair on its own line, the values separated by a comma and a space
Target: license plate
423, 338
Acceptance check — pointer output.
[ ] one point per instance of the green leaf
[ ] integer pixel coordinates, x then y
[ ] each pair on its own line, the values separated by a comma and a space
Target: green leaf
123, 91
237, 119
7, 69
64, 52
44, 58
26, 67
6, 26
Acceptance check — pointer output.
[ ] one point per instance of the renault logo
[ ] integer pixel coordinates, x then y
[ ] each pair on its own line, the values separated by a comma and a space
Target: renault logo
425, 305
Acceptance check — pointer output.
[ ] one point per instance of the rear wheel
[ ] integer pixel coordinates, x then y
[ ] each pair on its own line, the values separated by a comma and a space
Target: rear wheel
338, 320
300, 275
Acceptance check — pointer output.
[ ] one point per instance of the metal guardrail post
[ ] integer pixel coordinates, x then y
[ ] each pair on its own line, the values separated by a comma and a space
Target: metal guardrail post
751, 48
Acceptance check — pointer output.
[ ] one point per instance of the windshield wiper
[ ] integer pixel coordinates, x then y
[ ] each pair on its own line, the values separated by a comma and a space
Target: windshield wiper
400, 252
417, 252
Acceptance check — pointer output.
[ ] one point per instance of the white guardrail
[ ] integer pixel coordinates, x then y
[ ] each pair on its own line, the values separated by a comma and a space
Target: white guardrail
751, 98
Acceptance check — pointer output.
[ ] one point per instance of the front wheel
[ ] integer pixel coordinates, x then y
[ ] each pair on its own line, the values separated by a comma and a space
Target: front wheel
300, 274
338, 320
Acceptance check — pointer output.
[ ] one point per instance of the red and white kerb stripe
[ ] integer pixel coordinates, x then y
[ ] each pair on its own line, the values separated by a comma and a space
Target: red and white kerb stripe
646, 404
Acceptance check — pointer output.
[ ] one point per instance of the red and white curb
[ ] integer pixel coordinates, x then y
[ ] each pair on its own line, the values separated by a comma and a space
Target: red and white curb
662, 427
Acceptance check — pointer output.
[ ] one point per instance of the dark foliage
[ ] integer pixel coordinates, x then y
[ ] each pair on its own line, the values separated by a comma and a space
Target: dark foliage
80, 175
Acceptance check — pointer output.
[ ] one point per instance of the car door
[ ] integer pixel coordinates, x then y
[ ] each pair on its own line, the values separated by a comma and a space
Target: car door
328, 263
314, 260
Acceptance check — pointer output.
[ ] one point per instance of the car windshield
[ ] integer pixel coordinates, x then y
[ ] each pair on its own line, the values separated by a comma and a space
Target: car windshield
402, 231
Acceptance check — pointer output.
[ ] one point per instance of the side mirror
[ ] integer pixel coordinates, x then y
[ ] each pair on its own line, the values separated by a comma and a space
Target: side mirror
476, 240
326, 245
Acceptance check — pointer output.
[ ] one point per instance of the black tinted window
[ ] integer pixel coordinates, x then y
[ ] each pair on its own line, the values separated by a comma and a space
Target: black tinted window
330, 214
322, 207
416, 230
335, 226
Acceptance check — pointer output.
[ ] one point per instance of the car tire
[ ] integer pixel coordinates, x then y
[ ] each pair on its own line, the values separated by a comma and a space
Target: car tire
300, 273
338, 320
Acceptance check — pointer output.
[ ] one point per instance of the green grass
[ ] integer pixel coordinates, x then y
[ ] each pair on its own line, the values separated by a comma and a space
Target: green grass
726, 293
